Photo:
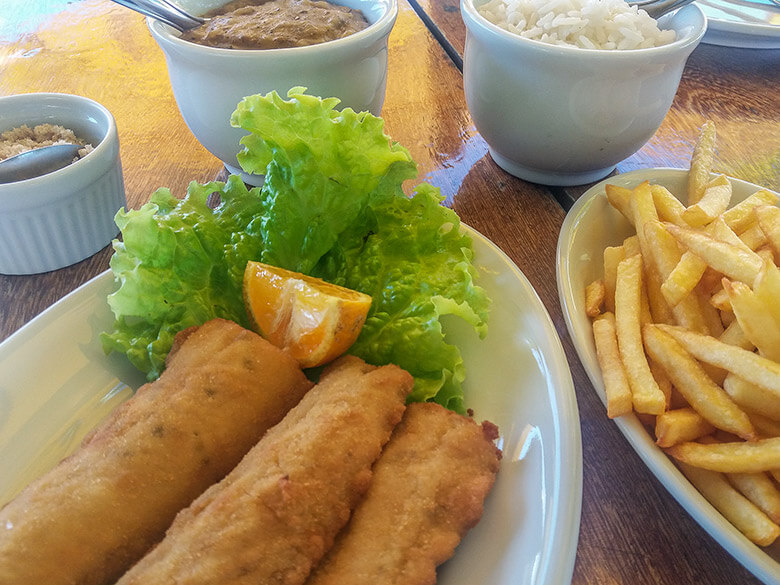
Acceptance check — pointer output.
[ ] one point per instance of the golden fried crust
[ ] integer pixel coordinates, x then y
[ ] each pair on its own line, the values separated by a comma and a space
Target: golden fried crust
102, 508
274, 516
428, 490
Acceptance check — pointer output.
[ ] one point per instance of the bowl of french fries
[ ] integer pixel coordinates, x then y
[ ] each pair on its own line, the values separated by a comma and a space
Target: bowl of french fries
670, 287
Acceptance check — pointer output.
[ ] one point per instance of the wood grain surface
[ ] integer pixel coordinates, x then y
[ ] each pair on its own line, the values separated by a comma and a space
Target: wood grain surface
632, 531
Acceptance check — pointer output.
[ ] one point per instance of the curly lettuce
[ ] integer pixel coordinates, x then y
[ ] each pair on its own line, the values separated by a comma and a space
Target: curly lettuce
332, 206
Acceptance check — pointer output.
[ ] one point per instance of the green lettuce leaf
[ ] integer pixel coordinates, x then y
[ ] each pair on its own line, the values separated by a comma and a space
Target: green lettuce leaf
332, 206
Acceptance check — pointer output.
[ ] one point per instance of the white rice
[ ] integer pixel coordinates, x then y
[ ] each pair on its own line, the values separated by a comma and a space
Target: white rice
589, 24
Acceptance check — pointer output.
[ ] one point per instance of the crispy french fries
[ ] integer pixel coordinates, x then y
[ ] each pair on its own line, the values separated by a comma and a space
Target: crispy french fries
714, 200
767, 288
735, 457
612, 257
680, 425
616, 386
646, 395
693, 346
666, 255
594, 298
620, 198
745, 364
735, 507
757, 323
631, 246
752, 398
742, 214
690, 379
765, 426
754, 237
768, 217
728, 259
669, 208
683, 278
701, 162
759, 489
733, 335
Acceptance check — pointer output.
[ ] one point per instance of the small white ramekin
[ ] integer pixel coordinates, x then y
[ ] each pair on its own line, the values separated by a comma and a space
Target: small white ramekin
55, 220
209, 82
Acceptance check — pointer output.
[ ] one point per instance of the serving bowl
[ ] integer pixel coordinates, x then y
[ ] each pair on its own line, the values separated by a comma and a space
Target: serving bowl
208, 82
57, 219
564, 115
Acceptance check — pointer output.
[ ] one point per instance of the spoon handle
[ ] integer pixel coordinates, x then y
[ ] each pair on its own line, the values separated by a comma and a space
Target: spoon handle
164, 11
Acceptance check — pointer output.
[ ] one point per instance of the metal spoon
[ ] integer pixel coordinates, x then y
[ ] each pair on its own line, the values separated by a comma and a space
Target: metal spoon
37, 162
657, 8
164, 11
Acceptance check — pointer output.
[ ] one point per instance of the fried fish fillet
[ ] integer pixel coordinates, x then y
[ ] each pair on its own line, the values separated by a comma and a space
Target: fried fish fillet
276, 514
428, 490
102, 508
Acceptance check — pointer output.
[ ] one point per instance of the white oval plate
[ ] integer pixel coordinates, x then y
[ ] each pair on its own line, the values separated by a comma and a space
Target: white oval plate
56, 384
591, 225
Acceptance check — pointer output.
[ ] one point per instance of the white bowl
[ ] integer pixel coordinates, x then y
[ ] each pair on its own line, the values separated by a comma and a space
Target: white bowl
591, 225
562, 115
209, 82
55, 220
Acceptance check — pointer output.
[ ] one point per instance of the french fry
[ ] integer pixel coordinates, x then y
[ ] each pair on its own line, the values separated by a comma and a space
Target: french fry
756, 487
720, 300
616, 386
619, 198
612, 257
759, 489
647, 397
752, 398
690, 379
754, 237
728, 259
765, 426
767, 289
701, 162
680, 425
666, 255
757, 323
742, 214
736, 508
735, 457
663, 381
631, 246
720, 230
644, 212
669, 208
733, 335
769, 221
745, 364
714, 200
711, 315
594, 297
683, 278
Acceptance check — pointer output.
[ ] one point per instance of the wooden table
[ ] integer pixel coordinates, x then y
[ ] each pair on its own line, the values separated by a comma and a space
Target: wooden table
632, 531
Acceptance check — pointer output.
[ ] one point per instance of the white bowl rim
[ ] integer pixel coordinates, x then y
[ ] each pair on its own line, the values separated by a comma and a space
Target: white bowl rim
376, 29
472, 16
76, 166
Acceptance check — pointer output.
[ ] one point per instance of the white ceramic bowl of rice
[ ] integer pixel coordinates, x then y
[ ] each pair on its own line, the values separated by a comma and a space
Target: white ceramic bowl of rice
563, 90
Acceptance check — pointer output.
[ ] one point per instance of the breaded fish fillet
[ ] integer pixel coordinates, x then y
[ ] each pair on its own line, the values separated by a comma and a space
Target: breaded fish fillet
102, 508
428, 490
274, 516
